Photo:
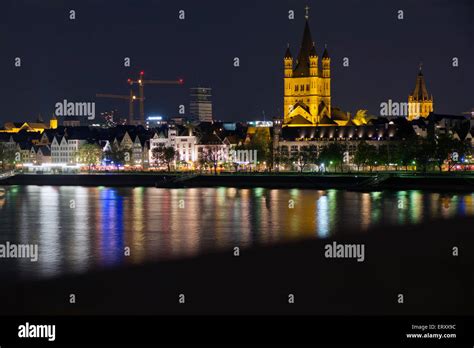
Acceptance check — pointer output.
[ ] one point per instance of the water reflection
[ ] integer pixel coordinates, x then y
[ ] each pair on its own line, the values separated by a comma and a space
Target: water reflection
111, 217
322, 217
79, 228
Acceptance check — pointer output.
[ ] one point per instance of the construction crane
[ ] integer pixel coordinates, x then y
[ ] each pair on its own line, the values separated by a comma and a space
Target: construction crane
131, 98
141, 82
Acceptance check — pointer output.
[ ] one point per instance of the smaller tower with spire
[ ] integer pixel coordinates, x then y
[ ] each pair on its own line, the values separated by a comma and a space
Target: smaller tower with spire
313, 61
420, 103
326, 79
288, 62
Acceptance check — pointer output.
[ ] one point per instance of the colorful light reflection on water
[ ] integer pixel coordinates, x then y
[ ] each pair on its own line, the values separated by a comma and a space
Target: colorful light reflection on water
79, 229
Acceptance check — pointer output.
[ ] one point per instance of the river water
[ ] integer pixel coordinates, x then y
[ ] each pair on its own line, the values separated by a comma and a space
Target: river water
78, 229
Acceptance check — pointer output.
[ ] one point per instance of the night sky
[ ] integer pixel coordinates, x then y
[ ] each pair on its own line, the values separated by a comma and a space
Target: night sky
75, 59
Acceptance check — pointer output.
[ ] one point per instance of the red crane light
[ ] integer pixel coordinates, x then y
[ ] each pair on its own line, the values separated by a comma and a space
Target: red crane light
181, 81
142, 72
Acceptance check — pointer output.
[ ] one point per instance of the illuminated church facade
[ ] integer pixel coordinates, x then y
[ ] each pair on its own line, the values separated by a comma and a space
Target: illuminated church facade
307, 83
307, 90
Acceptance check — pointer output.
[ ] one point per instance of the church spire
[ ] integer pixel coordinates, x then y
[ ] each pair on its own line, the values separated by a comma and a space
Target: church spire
420, 92
325, 53
288, 52
302, 63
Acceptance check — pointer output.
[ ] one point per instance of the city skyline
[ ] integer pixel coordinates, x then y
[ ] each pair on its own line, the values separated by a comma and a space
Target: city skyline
234, 162
257, 35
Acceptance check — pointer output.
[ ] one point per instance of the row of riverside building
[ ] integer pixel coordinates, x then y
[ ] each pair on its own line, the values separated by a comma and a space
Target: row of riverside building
39, 145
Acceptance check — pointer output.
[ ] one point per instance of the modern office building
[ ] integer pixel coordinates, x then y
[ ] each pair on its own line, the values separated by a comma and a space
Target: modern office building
201, 104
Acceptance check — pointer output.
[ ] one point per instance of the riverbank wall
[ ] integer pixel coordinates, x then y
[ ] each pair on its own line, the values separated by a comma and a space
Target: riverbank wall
364, 182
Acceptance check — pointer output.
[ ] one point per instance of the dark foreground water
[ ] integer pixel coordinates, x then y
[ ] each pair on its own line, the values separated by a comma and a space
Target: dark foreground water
81, 228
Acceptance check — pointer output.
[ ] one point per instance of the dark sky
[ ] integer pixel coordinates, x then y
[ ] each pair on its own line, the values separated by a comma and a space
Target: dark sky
73, 60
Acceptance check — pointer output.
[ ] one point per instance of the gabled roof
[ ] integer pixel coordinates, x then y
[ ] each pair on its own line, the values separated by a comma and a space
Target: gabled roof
59, 138
49, 133
321, 107
302, 105
210, 139
140, 140
37, 125
45, 150
161, 135
11, 125
233, 139
298, 119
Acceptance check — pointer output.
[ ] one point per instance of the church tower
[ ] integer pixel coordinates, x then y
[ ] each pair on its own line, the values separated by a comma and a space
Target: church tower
420, 104
288, 63
307, 88
326, 80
